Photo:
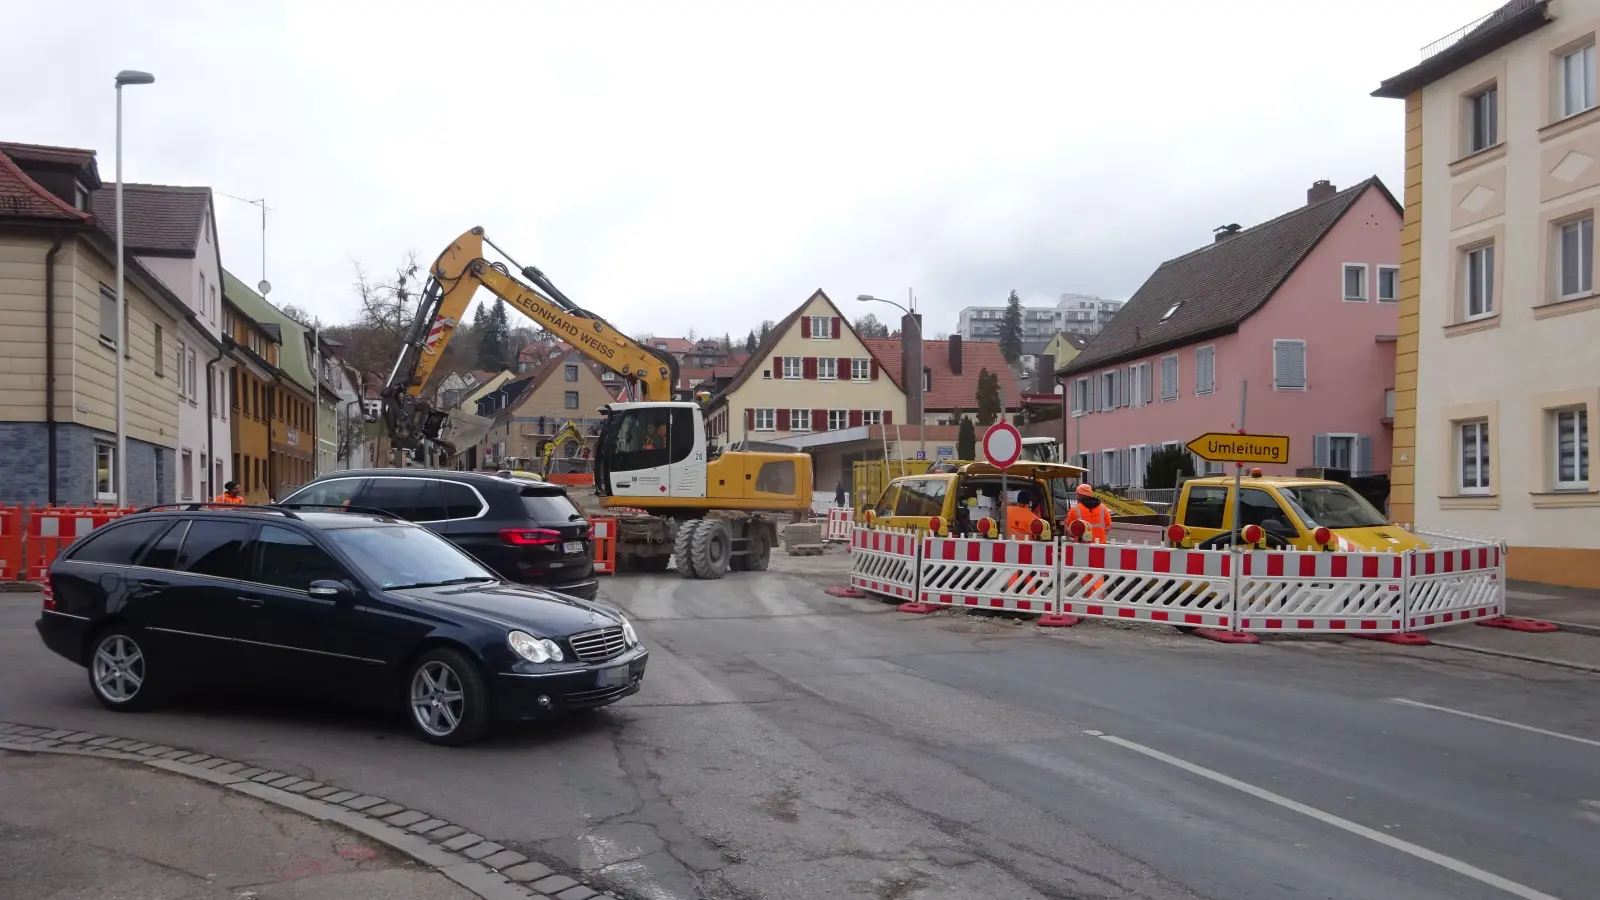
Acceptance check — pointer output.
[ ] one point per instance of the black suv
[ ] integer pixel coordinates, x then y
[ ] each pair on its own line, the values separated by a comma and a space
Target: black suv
526, 531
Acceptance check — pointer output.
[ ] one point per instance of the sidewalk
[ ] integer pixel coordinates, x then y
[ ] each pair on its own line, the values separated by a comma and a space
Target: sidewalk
77, 828
1562, 605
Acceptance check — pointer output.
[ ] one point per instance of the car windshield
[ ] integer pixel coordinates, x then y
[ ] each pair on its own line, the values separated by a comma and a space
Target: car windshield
1333, 506
398, 556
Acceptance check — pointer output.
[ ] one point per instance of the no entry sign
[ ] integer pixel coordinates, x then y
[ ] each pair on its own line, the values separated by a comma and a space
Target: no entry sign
1002, 445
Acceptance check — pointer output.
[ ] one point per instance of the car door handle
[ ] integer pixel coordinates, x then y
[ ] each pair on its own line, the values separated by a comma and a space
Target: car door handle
150, 583
256, 602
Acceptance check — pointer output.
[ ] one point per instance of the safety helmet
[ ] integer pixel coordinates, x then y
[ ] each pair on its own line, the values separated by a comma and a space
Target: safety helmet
1084, 490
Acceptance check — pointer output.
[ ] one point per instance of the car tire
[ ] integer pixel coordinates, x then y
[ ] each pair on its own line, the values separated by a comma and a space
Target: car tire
711, 550
760, 555
117, 659
682, 547
446, 698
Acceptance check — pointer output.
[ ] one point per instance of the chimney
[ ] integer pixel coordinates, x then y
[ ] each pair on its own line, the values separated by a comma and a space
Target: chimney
955, 354
1223, 232
911, 366
1044, 374
1320, 191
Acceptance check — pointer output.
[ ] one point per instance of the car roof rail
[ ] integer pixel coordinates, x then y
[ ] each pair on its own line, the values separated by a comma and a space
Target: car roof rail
207, 504
342, 507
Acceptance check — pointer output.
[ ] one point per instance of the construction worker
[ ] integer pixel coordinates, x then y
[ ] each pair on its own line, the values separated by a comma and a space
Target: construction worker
1021, 515
230, 495
1095, 516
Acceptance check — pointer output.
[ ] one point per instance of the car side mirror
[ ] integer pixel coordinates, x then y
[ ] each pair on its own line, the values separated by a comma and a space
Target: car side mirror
328, 589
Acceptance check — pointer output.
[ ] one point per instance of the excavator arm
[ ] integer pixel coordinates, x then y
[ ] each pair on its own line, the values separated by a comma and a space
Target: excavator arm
648, 374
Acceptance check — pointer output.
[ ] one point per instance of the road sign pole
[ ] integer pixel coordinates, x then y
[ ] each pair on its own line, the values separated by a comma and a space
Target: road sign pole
1238, 470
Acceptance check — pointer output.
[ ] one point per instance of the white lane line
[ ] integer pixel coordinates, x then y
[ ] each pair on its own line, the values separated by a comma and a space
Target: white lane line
1423, 853
1518, 725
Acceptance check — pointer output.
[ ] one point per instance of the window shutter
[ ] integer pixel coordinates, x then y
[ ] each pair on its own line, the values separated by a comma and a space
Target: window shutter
874, 365
1319, 450
1147, 384
749, 420
808, 368
888, 417
844, 371
819, 420
783, 420
1205, 369
1363, 455
805, 326
855, 418
835, 328
777, 367
1289, 365
1169, 378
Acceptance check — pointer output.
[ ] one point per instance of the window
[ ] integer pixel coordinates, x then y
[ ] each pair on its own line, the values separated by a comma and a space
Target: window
105, 471
860, 369
1483, 120
792, 367
799, 420
183, 371
1388, 404
1388, 284
1288, 365
1080, 396
1479, 297
1341, 451
921, 497
163, 554
1472, 437
289, 559
609, 375
571, 372
821, 328
108, 314
827, 368
572, 400
1108, 391
216, 548
159, 354
1205, 374
194, 378
1577, 81
122, 544
1572, 449
1355, 282
1170, 310
766, 420
1576, 252
872, 417
1204, 509
1257, 507
838, 419
213, 303
187, 491
1169, 378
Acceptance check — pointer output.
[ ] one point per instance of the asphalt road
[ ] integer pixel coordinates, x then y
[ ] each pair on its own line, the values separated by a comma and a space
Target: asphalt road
794, 745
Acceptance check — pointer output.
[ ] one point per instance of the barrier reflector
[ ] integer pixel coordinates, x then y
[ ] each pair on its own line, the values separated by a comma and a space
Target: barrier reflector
1015, 575
1354, 593
604, 533
839, 525
1147, 584
884, 561
1455, 585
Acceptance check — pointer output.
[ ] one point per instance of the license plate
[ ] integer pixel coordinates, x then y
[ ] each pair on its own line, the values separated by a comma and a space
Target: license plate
573, 547
613, 677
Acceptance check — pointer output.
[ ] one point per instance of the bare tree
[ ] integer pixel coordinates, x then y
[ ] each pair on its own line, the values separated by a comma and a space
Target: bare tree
373, 340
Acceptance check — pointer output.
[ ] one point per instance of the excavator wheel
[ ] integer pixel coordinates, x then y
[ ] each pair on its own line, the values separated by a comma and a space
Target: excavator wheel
711, 548
682, 547
760, 555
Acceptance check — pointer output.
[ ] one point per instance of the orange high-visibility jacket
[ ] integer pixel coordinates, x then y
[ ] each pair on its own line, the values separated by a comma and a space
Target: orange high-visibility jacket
1098, 520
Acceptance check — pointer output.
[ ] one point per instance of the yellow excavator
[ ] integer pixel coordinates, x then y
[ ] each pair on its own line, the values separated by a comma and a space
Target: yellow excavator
707, 507
568, 432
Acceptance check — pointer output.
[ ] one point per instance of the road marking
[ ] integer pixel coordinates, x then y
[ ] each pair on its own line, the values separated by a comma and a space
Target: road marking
1519, 725
1423, 853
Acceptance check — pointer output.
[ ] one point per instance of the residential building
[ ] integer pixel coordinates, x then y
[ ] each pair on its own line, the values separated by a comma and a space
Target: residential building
330, 376
1301, 308
254, 346
678, 347
352, 444
1497, 409
950, 370
487, 383
1075, 313
1063, 348
290, 406
813, 373
171, 230
58, 377
535, 406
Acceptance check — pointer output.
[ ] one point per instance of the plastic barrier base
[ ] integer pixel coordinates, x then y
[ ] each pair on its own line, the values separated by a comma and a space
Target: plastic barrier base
1403, 638
1055, 621
1223, 636
845, 591
918, 608
1513, 623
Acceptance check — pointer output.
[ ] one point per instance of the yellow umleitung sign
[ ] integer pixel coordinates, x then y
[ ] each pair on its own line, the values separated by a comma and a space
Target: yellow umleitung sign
1219, 446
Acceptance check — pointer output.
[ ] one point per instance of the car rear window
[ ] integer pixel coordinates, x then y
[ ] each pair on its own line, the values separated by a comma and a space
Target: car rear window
122, 543
549, 507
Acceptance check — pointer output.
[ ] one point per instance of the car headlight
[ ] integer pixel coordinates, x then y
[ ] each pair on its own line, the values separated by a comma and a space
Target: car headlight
628, 634
532, 649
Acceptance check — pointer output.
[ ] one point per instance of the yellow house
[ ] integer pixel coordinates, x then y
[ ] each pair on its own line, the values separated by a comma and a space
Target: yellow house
1064, 347
532, 408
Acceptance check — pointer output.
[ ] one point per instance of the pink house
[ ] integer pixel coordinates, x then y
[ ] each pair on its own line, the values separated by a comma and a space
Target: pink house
1302, 308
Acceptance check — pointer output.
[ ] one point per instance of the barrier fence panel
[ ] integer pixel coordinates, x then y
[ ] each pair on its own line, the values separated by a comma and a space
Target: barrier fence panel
1326, 592
884, 561
988, 574
53, 529
1457, 585
604, 533
1150, 584
839, 524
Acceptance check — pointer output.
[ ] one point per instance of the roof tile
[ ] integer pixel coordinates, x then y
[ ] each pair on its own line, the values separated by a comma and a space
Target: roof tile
160, 218
23, 198
950, 390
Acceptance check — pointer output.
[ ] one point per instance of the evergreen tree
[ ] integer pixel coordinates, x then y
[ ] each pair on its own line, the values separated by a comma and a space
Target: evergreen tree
766, 329
483, 338
750, 342
1011, 329
727, 342
989, 405
1166, 466
967, 439
497, 354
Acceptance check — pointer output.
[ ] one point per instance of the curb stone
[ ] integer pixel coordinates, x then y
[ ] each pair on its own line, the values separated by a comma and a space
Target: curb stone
1507, 654
478, 864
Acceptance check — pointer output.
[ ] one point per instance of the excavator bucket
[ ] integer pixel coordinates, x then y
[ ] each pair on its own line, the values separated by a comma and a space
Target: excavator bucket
462, 430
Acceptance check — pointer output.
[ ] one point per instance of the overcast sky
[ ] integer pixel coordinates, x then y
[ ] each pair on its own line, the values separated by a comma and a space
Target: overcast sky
708, 165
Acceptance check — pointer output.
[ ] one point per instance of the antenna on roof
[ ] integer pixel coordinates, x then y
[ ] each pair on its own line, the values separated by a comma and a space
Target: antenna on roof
265, 286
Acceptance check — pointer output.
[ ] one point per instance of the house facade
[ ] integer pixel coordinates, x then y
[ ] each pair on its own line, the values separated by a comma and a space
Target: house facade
566, 388
1301, 308
1498, 409
290, 406
254, 347
813, 373
950, 371
58, 346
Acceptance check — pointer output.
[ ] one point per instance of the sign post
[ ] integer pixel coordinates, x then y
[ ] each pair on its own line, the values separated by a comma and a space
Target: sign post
1241, 448
1002, 446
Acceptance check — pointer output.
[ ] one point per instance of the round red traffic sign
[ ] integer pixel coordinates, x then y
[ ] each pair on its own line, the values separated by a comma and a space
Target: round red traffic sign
1002, 445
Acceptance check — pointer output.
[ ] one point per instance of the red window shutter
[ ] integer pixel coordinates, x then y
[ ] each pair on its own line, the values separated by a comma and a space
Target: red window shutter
805, 326
874, 366
843, 370
836, 328
819, 420
783, 420
888, 417
855, 418
808, 368
777, 367
749, 420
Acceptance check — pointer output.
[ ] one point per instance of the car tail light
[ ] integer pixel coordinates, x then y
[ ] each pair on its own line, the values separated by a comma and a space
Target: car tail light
530, 537
49, 594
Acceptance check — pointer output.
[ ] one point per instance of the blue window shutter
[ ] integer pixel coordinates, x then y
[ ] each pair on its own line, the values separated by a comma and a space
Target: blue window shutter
1319, 450
1363, 455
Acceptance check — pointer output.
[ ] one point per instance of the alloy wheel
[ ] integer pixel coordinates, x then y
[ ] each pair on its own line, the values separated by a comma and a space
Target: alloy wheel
119, 668
437, 699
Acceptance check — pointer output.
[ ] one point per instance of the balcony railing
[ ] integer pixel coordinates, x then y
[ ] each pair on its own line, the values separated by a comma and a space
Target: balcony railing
1454, 37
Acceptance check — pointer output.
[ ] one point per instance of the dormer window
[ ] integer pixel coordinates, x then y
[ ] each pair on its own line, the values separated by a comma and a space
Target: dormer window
1171, 310
80, 196
927, 379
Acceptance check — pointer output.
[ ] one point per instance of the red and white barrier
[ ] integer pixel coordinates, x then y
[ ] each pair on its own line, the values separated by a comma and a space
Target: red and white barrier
1457, 585
839, 525
989, 574
884, 561
1148, 584
1321, 592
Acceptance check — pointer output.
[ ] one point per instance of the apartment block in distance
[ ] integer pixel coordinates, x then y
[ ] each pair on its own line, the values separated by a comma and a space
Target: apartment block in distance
1498, 362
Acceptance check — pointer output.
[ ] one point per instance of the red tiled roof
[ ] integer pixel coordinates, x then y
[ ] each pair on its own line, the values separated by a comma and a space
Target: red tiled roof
160, 218
23, 198
951, 391
674, 345
47, 155
753, 361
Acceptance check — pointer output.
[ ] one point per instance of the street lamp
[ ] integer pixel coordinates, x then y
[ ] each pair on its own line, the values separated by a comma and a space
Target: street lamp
921, 428
126, 76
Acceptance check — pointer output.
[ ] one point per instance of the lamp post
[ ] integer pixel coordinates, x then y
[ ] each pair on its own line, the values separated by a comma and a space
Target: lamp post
126, 76
922, 434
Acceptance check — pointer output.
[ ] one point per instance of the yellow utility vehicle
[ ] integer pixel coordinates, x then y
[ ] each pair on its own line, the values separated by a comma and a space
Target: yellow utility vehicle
963, 494
1293, 513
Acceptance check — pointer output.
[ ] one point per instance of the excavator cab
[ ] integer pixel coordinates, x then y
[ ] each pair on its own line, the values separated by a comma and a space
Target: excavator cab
651, 450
